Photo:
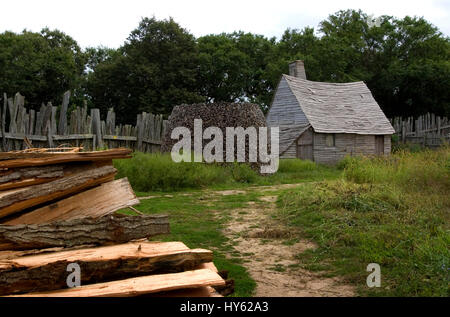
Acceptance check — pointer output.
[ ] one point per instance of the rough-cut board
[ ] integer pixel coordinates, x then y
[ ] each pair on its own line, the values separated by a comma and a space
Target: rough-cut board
97, 202
206, 291
109, 229
22, 159
140, 285
49, 271
224, 290
16, 200
28, 176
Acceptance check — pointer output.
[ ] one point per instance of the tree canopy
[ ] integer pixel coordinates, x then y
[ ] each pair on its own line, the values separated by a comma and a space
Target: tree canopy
41, 66
405, 62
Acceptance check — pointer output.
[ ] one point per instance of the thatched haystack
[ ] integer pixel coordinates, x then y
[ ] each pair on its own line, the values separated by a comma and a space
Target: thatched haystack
219, 115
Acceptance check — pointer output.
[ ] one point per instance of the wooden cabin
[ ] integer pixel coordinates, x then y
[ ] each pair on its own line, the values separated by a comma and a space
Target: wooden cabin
324, 122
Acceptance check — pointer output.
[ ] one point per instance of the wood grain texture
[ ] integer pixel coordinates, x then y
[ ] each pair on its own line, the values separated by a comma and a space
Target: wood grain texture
23, 177
24, 159
105, 230
96, 202
139, 285
16, 200
206, 291
49, 271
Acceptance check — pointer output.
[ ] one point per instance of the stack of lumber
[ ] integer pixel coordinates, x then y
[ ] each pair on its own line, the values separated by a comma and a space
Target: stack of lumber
58, 207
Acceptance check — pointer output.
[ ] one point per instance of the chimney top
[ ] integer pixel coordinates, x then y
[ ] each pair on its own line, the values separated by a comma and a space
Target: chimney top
297, 69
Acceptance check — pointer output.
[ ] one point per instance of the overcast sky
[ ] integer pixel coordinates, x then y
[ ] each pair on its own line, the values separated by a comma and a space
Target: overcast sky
109, 22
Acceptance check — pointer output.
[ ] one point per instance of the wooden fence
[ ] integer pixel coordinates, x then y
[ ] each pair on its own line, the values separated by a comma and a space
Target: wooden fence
427, 130
52, 127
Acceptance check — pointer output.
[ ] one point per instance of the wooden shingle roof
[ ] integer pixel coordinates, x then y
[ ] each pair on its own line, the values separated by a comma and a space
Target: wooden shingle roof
339, 107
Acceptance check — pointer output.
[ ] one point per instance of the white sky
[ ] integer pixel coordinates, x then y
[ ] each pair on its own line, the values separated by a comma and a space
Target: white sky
108, 23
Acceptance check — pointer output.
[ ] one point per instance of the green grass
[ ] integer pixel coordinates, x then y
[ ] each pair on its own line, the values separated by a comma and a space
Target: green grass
198, 225
157, 172
392, 211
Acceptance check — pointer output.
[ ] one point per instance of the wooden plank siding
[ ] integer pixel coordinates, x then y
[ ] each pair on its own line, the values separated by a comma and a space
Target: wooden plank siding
346, 110
286, 114
285, 109
346, 144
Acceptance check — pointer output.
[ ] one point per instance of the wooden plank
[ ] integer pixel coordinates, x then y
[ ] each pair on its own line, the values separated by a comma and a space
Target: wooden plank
38, 127
145, 140
16, 200
139, 285
53, 120
31, 122
13, 113
46, 118
206, 291
21, 159
72, 137
119, 138
97, 202
140, 130
62, 127
20, 136
47, 272
48, 128
97, 127
28, 176
3, 118
105, 230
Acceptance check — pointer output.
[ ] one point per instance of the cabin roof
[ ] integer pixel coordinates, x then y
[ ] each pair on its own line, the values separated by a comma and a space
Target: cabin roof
339, 107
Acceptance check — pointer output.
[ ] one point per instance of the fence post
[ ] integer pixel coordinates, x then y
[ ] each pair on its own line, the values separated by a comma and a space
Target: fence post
63, 114
97, 127
5, 101
403, 132
140, 131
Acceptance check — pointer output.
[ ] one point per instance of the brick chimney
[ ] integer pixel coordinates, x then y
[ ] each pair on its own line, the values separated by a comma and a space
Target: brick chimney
297, 69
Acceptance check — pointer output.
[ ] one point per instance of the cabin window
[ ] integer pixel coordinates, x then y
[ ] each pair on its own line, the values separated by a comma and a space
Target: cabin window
330, 140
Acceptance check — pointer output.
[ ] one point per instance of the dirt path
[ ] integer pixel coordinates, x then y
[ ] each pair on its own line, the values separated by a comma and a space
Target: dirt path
233, 191
271, 263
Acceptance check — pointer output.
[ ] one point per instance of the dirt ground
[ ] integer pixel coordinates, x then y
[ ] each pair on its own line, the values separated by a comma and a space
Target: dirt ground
271, 263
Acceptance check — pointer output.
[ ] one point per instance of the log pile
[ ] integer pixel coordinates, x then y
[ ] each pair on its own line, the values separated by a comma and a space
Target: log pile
58, 208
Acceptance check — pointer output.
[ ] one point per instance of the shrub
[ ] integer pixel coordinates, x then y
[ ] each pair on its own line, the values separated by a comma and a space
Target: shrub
296, 165
423, 170
147, 172
243, 173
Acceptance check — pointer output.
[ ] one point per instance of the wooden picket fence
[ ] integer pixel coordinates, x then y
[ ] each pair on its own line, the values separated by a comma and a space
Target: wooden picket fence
428, 130
20, 127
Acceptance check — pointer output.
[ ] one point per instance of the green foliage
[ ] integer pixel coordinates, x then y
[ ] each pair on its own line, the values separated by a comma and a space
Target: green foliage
41, 66
153, 172
157, 172
296, 165
156, 69
242, 173
391, 211
405, 63
424, 169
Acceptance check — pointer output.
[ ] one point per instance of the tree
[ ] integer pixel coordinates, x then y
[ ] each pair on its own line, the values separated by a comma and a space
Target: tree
234, 67
156, 69
41, 66
405, 63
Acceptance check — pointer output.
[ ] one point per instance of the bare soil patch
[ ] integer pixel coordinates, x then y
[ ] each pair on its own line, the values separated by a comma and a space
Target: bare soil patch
270, 261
